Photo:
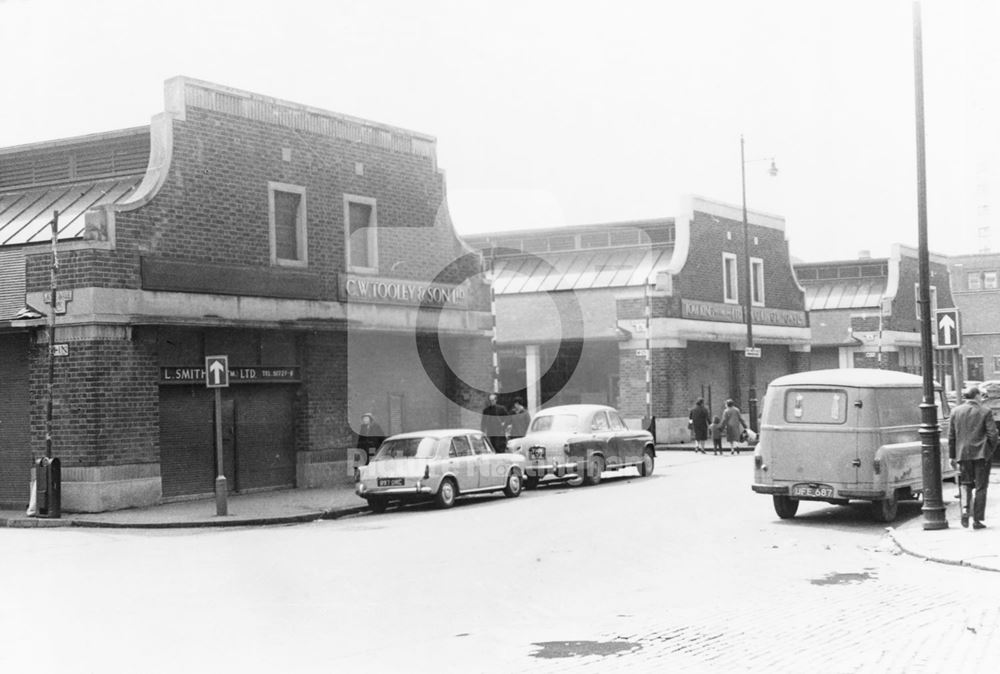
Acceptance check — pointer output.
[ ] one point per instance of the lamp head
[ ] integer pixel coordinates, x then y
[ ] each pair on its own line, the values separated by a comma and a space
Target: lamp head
773, 171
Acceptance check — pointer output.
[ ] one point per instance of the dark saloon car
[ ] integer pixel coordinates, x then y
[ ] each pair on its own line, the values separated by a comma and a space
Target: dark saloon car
579, 443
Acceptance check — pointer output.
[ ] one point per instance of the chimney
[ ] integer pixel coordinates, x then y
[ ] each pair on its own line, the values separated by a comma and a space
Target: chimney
864, 255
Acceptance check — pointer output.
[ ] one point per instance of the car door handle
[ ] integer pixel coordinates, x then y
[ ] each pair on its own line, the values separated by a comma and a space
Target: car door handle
856, 463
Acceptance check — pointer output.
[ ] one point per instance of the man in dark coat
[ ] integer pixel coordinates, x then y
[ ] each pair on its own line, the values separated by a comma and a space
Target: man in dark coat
495, 423
520, 419
370, 435
972, 438
698, 421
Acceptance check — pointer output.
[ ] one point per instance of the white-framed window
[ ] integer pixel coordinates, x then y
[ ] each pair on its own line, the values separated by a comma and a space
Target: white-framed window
757, 281
730, 279
916, 299
361, 233
974, 281
990, 280
286, 207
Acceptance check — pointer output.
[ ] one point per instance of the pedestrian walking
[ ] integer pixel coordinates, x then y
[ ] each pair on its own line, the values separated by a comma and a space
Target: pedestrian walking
520, 419
733, 422
698, 423
717, 429
972, 439
494, 425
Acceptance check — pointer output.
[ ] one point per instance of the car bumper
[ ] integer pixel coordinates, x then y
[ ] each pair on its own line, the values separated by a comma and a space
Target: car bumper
412, 491
540, 469
838, 493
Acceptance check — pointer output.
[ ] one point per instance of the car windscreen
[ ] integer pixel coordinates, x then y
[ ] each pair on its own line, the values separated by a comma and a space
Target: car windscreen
407, 448
815, 406
554, 422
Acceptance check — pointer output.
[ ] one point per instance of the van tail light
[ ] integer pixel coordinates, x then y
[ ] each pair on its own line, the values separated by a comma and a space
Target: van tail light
427, 471
878, 466
758, 460
357, 475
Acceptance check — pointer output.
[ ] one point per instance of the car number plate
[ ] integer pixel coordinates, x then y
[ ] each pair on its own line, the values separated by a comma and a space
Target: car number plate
536, 453
814, 490
390, 482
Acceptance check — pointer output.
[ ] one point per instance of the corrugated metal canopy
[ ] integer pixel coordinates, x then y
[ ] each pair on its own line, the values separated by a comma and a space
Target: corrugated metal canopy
579, 270
25, 215
844, 294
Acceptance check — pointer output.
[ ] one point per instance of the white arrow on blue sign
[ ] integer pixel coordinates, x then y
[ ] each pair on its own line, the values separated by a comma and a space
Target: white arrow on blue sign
216, 371
946, 322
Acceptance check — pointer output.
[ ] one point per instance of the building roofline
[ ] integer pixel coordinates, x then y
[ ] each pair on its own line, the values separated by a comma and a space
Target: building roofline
62, 143
568, 229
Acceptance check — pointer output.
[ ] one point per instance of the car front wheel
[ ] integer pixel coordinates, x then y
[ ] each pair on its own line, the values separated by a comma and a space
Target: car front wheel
785, 507
445, 497
595, 467
648, 463
513, 487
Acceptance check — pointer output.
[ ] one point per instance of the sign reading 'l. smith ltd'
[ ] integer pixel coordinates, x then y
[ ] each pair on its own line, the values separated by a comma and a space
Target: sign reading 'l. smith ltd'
237, 375
353, 288
733, 313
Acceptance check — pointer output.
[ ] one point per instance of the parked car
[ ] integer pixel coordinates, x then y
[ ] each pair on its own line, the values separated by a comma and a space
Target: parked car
438, 465
579, 443
842, 435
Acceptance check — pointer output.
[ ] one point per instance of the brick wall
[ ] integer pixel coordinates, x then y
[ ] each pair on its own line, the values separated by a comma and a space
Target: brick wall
105, 402
702, 276
321, 414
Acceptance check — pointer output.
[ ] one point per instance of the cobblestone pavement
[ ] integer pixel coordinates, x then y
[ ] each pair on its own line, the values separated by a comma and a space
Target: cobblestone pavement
686, 571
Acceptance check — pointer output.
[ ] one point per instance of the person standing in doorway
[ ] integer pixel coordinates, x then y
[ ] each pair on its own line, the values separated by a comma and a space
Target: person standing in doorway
972, 439
698, 421
494, 424
732, 421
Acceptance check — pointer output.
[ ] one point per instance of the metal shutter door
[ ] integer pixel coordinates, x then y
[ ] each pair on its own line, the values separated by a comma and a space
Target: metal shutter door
15, 434
187, 443
265, 436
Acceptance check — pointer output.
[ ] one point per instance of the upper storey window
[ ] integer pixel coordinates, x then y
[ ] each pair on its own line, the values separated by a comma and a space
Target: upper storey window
361, 224
731, 288
287, 214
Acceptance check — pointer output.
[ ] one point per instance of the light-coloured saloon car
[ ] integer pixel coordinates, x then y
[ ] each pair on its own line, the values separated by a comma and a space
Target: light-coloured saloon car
438, 465
579, 442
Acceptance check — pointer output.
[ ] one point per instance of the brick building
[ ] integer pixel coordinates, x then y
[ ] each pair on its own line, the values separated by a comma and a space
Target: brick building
313, 249
864, 312
572, 305
975, 285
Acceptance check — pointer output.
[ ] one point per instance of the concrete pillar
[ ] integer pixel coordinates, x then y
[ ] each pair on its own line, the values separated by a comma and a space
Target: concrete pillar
532, 363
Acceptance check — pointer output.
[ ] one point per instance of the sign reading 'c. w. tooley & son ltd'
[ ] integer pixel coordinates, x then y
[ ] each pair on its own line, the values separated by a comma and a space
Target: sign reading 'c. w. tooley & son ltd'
733, 313
354, 288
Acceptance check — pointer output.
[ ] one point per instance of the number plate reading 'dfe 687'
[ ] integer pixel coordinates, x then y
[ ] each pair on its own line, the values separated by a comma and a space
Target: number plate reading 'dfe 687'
813, 490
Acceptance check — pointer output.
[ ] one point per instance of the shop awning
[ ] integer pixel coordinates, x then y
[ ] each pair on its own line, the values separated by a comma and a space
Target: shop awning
844, 294
25, 215
579, 270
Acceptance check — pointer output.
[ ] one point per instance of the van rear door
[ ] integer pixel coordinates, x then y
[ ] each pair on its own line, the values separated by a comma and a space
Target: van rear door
816, 440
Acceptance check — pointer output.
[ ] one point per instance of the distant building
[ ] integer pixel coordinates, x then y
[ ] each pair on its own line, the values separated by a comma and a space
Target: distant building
975, 285
864, 312
572, 307
313, 249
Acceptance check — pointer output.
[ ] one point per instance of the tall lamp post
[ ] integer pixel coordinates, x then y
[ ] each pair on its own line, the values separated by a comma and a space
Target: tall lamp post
750, 355
930, 434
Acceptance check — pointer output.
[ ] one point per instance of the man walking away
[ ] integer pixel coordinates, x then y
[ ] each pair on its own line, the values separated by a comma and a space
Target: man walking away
494, 424
972, 438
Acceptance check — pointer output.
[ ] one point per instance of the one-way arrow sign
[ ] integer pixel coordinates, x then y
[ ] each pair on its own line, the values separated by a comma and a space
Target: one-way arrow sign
216, 371
946, 321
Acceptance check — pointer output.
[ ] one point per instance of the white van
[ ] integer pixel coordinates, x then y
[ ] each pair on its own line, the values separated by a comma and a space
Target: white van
841, 435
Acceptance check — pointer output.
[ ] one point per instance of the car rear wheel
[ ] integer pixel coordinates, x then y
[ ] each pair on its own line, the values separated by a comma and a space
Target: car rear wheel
785, 507
648, 463
445, 497
592, 474
513, 487
377, 505
886, 509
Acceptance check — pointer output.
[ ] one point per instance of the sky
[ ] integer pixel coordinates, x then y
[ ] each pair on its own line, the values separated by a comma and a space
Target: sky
567, 113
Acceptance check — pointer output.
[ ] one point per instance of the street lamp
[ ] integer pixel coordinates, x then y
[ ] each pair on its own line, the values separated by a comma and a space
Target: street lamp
750, 354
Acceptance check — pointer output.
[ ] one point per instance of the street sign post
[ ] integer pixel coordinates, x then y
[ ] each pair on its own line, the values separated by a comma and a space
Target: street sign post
948, 333
217, 377
751, 351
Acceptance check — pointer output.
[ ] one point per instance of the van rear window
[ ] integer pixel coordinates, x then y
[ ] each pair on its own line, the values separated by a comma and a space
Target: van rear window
815, 406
